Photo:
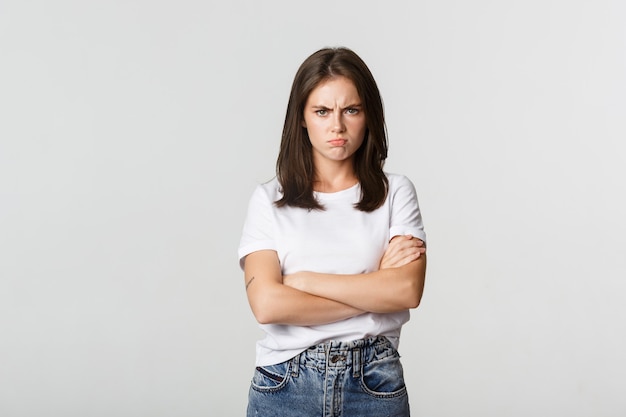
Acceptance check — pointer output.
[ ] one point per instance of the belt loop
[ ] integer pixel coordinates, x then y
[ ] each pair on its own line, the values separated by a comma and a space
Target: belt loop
295, 365
356, 362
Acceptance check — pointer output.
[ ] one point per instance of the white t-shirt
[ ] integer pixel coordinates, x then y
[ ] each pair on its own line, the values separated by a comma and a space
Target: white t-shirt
338, 240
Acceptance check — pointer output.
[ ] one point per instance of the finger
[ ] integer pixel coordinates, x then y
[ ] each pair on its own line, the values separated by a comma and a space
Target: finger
400, 247
416, 240
393, 260
408, 259
398, 255
403, 243
401, 258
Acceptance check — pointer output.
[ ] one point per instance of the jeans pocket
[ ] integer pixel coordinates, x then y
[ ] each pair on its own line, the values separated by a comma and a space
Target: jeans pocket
384, 378
271, 378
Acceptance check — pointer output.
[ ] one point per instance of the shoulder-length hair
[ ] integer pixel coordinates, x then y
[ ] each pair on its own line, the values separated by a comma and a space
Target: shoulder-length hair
294, 167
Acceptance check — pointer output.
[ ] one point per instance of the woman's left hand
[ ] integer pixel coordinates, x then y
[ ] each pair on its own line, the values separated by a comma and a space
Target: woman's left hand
402, 250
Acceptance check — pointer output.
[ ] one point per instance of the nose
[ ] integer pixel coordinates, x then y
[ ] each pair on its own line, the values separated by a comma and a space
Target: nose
338, 123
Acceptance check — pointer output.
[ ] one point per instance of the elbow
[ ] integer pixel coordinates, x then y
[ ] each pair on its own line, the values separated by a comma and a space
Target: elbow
414, 302
263, 319
412, 293
268, 304
413, 296
264, 309
260, 315
263, 313
416, 292
404, 297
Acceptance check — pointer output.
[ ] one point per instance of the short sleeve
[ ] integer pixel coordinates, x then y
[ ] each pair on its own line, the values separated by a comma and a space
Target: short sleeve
406, 217
258, 229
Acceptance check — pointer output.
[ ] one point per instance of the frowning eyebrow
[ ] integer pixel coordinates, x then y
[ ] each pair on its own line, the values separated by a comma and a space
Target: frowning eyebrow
349, 106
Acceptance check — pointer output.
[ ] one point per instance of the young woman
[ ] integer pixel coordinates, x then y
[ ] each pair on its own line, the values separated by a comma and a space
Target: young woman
333, 253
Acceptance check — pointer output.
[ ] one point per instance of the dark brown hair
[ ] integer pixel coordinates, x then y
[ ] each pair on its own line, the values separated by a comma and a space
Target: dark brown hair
294, 167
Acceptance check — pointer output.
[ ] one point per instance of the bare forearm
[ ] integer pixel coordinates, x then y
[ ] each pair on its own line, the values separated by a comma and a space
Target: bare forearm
279, 304
384, 291
273, 302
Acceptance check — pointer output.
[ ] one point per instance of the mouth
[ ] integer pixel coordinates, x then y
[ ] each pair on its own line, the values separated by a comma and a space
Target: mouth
337, 142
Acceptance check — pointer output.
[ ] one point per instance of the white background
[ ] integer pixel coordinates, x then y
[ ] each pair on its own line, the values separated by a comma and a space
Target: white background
133, 132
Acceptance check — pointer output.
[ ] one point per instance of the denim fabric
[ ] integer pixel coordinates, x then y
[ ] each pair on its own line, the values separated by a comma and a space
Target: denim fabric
333, 379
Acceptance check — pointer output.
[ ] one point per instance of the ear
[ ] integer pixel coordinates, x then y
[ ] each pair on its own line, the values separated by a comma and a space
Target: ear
303, 122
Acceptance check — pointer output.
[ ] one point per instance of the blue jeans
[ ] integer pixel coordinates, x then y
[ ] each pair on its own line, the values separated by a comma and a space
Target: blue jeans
333, 379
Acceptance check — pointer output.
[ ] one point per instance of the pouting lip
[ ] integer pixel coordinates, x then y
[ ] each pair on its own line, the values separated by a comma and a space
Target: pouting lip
336, 140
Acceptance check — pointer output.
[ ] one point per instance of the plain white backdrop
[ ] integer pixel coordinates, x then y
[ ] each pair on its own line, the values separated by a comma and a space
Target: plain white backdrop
133, 132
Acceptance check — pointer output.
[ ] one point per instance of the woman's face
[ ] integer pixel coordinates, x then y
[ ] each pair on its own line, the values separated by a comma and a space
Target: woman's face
335, 121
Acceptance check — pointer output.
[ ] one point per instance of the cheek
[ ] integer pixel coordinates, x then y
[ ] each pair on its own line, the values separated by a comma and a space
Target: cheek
361, 142
360, 130
315, 128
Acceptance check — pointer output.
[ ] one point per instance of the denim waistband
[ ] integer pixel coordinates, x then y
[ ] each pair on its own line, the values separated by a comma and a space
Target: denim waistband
338, 354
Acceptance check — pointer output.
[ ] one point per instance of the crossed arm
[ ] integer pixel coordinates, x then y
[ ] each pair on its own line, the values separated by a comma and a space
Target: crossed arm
310, 298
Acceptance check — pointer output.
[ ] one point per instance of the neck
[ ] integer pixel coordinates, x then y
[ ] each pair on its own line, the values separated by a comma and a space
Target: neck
331, 178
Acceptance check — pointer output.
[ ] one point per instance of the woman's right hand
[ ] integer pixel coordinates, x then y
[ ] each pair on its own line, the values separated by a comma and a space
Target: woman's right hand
402, 249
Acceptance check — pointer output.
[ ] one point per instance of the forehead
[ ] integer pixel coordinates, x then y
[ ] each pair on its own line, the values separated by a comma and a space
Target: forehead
335, 88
